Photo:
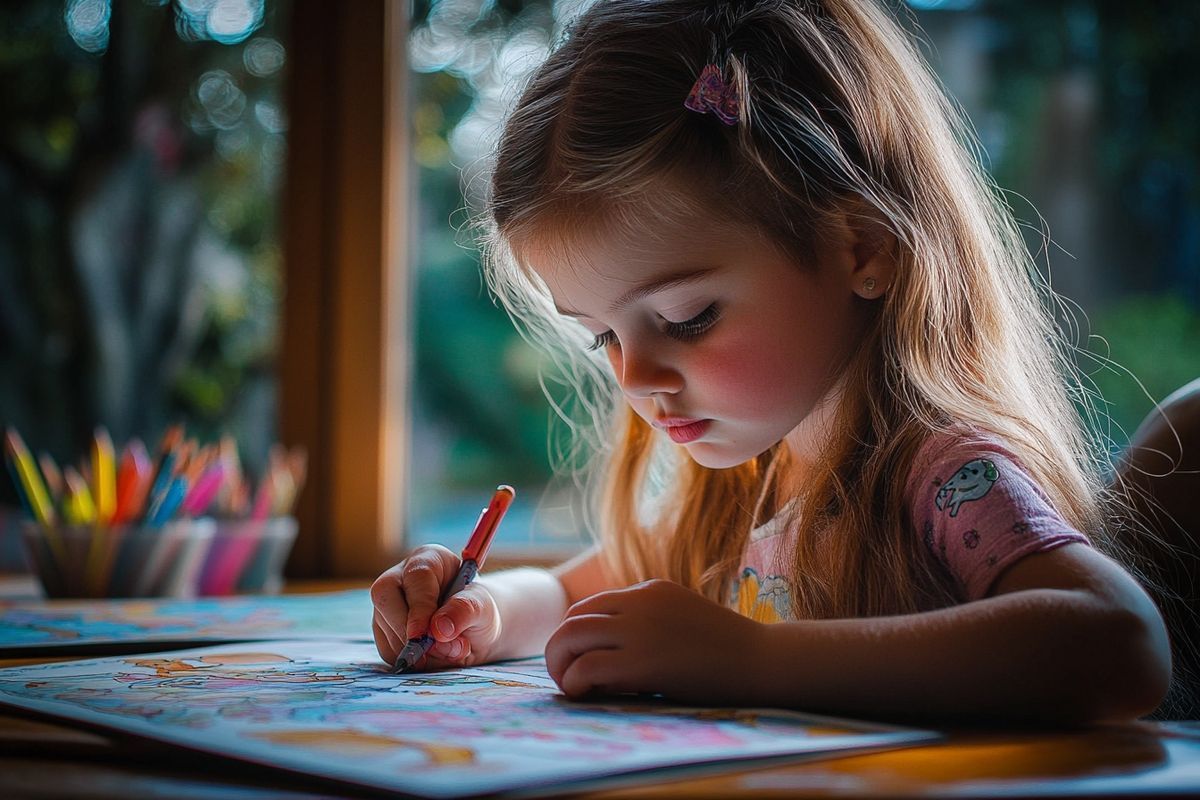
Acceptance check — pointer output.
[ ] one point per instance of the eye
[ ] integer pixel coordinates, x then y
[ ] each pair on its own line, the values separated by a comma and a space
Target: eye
603, 340
696, 326
684, 331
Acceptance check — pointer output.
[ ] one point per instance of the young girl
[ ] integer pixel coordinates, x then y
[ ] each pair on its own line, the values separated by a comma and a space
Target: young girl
842, 469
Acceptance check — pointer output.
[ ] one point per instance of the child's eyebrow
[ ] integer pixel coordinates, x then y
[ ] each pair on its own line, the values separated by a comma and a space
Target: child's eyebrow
648, 287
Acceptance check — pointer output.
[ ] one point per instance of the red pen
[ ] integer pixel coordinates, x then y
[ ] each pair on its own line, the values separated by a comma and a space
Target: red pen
472, 559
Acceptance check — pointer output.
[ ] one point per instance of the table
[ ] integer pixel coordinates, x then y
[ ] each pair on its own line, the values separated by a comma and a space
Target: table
41, 759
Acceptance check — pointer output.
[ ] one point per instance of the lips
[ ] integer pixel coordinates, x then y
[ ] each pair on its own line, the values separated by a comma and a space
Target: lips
674, 422
683, 429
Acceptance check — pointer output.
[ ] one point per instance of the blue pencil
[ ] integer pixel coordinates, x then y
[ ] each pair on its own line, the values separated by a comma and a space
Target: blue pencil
170, 502
162, 481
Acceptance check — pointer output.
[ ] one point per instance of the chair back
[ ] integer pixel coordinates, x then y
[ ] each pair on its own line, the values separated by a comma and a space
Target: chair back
1161, 473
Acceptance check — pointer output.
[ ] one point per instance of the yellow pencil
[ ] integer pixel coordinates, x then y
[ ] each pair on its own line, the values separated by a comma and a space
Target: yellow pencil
80, 508
39, 500
104, 473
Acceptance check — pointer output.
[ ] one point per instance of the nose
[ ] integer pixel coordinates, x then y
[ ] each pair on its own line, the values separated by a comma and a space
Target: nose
643, 372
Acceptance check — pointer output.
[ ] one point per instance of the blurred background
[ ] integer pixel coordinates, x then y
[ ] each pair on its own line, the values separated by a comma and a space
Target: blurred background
142, 153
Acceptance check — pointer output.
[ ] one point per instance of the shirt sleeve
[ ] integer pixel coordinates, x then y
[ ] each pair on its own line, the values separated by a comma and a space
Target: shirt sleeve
979, 511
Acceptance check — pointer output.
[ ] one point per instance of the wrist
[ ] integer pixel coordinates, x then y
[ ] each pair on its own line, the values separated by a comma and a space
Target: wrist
529, 604
774, 667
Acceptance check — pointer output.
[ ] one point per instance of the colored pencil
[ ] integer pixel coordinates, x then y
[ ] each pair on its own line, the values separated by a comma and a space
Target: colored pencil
35, 490
53, 476
169, 503
139, 488
104, 475
204, 490
80, 509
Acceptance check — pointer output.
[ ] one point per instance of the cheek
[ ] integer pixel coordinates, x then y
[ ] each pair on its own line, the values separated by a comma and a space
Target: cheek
772, 366
614, 359
736, 368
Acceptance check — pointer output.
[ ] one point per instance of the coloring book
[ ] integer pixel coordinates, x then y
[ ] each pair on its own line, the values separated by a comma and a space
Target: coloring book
332, 709
121, 626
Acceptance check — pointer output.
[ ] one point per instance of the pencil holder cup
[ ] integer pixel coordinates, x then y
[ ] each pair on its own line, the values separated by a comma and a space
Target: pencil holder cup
247, 556
118, 561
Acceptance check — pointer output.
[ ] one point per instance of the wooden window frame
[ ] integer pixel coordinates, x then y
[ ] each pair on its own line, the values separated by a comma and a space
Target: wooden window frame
345, 339
346, 343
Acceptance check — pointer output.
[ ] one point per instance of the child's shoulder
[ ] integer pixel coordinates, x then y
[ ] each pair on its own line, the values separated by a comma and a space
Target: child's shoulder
958, 439
967, 462
978, 509
948, 452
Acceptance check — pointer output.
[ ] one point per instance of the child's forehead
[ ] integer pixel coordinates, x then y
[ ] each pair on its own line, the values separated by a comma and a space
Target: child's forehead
639, 240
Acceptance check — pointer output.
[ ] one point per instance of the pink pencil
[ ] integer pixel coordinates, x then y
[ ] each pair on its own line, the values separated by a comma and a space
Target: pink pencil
262, 503
205, 490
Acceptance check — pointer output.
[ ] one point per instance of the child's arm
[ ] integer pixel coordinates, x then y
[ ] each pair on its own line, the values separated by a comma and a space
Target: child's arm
1064, 635
532, 602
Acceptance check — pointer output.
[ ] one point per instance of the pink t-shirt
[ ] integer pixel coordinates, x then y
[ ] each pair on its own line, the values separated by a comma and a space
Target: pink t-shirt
972, 503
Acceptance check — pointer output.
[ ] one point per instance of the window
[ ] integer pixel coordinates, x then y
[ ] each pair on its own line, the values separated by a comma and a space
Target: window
479, 415
142, 151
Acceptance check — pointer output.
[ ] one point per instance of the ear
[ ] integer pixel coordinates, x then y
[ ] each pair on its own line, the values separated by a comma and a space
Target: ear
868, 252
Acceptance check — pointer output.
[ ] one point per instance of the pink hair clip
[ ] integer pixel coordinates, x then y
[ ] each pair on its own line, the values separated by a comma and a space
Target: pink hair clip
711, 92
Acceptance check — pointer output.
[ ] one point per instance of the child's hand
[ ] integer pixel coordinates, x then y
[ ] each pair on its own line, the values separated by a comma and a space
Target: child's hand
656, 636
406, 599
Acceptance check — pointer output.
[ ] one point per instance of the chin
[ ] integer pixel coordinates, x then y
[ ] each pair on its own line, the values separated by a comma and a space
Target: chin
715, 457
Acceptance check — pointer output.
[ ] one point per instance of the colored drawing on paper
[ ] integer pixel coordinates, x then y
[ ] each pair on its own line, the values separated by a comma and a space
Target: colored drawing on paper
332, 709
66, 624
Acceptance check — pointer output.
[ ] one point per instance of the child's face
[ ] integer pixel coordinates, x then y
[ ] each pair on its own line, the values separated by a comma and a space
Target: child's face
740, 337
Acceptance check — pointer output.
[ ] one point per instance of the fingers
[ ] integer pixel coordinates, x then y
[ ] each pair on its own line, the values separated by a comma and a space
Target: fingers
406, 597
455, 651
468, 616
387, 642
606, 602
425, 572
406, 594
442, 654
390, 611
598, 672
473, 610
575, 637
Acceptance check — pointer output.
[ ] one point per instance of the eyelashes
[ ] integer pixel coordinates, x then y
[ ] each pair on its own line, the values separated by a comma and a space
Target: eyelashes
603, 340
685, 331
694, 327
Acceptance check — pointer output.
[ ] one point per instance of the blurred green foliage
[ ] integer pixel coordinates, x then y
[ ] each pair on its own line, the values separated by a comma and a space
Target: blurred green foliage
479, 413
1143, 149
141, 151
1153, 338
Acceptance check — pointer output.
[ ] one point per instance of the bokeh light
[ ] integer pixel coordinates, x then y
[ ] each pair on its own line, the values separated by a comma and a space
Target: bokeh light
263, 56
87, 23
224, 21
223, 102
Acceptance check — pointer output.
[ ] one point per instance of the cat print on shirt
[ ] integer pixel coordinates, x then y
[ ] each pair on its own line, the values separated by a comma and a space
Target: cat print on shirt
971, 481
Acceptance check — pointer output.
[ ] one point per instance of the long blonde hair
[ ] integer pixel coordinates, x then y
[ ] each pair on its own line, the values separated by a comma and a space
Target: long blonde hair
839, 115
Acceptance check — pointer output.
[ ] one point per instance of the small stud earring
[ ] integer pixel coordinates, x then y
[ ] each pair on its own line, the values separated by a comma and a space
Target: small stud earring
869, 285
